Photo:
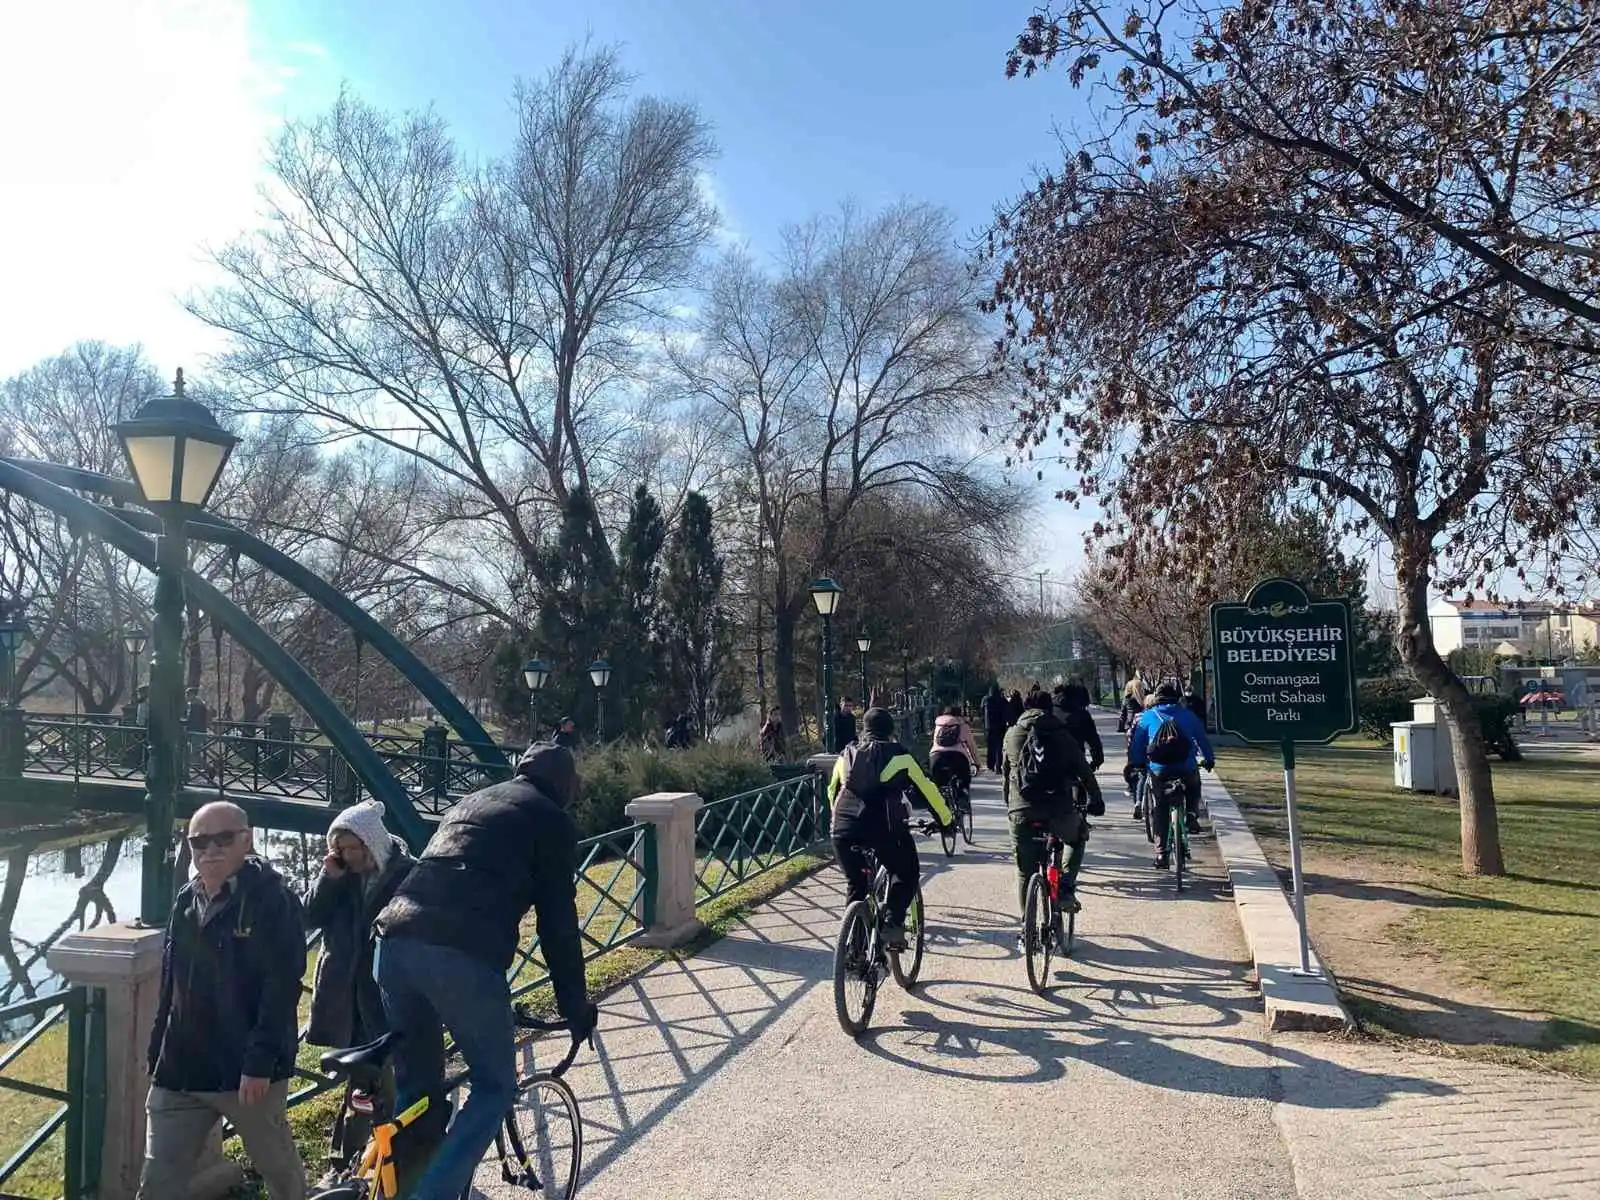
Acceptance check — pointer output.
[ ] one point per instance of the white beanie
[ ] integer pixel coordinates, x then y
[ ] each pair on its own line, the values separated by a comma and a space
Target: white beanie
365, 820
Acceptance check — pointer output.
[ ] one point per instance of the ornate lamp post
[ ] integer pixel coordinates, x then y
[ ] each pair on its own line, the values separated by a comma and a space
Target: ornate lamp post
175, 451
134, 640
826, 594
863, 644
535, 673
600, 675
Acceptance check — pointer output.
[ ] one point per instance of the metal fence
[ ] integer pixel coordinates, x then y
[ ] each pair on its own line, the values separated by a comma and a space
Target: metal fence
741, 836
80, 1102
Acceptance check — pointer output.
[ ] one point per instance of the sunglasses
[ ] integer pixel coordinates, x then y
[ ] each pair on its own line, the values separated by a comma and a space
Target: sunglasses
221, 840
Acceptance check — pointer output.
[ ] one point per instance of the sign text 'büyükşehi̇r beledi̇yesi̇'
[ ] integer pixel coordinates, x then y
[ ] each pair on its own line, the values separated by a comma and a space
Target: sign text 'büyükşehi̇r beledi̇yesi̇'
1315, 645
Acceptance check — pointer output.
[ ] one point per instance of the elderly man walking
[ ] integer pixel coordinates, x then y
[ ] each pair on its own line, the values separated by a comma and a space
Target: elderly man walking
224, 1037
364, 865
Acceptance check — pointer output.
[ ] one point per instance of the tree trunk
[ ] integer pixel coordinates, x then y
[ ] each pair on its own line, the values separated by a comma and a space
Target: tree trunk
783, 667
1480, 826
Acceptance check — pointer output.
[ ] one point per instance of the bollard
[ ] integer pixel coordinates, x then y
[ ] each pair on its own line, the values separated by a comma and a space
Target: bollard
280, 739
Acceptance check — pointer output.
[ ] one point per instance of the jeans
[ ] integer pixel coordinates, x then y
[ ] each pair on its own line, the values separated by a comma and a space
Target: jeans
897, 854
426, 990
178, 1124
1067, 825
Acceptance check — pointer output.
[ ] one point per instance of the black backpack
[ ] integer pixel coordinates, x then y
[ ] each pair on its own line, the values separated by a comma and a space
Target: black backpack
1169, 745
948, 736
1042, 770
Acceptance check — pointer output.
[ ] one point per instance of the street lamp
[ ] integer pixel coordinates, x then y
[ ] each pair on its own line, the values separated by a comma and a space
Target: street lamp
12, 736
826, 594
175, 451
863, 644
134, 640
535, 673
600, 675
12, 631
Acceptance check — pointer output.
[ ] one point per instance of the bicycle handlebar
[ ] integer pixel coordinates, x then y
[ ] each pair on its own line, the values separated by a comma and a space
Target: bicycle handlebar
523, 1019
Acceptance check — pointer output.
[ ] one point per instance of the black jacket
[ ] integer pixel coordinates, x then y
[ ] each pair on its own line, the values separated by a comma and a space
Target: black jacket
496, 854
869, 779
346, 1006
995, 710
844, 729
1080, 724
230, 988
1050, 729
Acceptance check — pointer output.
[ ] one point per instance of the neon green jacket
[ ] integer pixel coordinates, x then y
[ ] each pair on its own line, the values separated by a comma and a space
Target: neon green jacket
868, 781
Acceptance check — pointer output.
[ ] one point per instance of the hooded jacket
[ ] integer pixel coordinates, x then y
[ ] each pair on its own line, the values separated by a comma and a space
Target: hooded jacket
499, 852
1188, 724
1049, 728
346, 1006
230, 988
964, 743
869, 778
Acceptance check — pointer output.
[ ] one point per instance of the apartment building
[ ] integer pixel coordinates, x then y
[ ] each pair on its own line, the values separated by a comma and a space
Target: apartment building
1530, 630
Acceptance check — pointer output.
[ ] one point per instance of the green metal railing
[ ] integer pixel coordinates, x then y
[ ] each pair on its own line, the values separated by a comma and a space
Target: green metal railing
741, 836
81, 1102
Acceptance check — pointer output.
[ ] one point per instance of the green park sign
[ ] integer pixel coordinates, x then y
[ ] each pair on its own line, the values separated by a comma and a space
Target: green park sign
1284, 671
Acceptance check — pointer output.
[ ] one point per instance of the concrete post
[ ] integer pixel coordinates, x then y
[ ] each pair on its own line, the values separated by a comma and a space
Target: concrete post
124, 961
673, 815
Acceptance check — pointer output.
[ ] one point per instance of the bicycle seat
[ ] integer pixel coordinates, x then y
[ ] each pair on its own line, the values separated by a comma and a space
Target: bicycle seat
368, 1058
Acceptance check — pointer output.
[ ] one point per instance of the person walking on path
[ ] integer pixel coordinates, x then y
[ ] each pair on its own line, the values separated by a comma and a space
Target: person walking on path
844, 726
994, 727
1014, 708
679, 735
1132, 706
566, 735
224, 1039
364, 865
770, 737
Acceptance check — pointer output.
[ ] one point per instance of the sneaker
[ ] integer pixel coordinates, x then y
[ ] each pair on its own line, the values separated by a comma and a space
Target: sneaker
1069, 903
1163, 861
1138, 812
894, 936
1191, 823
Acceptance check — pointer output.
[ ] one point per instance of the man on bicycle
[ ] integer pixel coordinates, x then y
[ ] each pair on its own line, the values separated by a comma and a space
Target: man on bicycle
867, 793
1171, 742
1042, 764
953, 755
447, 940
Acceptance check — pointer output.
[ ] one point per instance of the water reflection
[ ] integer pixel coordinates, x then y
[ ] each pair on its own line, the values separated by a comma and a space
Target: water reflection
59, 879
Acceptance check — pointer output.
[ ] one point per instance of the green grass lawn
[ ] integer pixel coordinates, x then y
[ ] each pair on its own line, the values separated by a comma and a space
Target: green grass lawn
21, 1116
1532, 937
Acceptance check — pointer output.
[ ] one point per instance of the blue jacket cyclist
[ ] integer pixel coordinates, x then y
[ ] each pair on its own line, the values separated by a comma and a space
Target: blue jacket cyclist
867, 793
1144, 751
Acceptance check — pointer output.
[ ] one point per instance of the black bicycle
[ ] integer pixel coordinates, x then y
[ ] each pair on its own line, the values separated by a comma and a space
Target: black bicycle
540, 1146
960, 801
861, 955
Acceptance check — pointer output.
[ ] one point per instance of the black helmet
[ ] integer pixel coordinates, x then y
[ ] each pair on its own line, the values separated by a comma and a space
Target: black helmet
879, 722
1168, 691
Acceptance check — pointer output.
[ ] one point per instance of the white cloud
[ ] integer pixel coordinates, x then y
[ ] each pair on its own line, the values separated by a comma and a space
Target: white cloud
726, 235
134, 139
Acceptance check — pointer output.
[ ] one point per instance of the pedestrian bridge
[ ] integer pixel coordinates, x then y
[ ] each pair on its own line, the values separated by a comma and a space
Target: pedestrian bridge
288, 777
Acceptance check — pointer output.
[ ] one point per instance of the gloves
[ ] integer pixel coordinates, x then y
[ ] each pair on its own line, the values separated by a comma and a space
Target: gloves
1097, 806
584, 1026
1209, 764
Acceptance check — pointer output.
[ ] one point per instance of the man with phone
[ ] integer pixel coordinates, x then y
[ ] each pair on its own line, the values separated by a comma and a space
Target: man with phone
225, 1032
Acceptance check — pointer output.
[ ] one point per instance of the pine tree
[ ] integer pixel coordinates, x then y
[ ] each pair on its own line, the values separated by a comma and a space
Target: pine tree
698, 633
577, 612
636, 654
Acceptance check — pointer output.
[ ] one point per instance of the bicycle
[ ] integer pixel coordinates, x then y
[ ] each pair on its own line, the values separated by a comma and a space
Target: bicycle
1171, 790
861, 955
544, 1116
1042, 929
960, 801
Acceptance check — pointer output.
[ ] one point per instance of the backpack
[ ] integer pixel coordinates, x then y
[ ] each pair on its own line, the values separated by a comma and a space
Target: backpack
948, 736
1042, 771
1169, 746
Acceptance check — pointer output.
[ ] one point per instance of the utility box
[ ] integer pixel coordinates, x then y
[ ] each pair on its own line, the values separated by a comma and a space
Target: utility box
1422, 758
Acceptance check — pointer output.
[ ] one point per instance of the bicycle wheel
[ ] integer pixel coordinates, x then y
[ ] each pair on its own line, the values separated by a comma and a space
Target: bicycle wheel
1177, 844
544, 1139
1150, 815
966, 820
948, 837
907, 964
855, 981
1036, 933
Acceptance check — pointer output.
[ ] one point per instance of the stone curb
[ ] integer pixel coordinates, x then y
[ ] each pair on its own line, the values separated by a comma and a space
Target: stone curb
1293, 1001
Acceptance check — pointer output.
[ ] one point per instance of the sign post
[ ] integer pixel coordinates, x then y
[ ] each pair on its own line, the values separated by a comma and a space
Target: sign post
1284, 674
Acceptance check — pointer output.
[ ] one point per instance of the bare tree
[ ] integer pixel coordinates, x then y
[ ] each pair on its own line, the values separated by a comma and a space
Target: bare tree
477, 322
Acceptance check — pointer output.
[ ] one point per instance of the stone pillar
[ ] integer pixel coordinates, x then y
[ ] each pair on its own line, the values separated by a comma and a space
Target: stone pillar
821, 765
672, 814
124, 961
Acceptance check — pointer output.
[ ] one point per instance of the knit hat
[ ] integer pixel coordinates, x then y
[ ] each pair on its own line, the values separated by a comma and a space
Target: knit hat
879, 722
365, 821
553, 769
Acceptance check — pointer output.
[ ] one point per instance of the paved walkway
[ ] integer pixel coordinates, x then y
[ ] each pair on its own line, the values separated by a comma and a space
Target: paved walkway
728, 1074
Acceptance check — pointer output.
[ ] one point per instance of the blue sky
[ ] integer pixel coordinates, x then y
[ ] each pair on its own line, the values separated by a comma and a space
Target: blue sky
147, 120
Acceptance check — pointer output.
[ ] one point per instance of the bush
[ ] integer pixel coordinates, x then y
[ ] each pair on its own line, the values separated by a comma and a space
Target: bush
615, 774
1382, 702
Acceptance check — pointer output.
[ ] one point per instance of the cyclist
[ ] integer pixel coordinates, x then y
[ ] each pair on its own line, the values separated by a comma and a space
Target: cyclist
447, 940
1170, 740
953, 755
1072, 706
1042, 763
866, 793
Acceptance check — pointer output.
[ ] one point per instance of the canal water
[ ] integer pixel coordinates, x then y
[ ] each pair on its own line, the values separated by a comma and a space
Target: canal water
55, 880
